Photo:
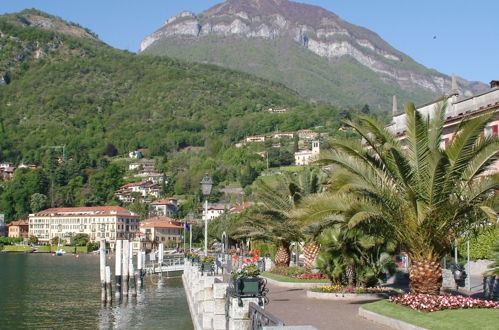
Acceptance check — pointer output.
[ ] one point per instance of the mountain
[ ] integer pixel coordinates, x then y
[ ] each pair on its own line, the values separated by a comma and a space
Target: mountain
306, 47
60, 85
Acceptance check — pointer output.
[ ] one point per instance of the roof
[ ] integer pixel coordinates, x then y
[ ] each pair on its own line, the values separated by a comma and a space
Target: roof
160, 225
159, 219
19, 223
164, 202
241, 206
216, 208
87, 211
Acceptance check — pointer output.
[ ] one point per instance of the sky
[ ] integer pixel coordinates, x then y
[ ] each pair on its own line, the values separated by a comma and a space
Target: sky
451, 36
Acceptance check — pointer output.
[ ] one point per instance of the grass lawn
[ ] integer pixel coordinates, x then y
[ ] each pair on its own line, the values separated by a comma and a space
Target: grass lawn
16, 248
485, 318
71, 249
282, 278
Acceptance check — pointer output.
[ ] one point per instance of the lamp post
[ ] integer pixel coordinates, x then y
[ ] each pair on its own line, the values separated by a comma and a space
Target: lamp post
206, 185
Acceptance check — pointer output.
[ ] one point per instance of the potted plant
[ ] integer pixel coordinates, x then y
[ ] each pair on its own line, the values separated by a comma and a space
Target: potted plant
207, 264
246, 278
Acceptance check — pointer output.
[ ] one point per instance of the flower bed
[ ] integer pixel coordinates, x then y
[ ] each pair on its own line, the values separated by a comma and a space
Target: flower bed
341, 289
430, 303
339, 292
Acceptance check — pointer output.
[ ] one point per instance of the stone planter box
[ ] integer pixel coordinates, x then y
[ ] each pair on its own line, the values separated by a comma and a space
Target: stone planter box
349, 296
248, 286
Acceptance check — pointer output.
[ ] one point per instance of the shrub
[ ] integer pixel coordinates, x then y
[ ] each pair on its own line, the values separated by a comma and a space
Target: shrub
432, 303
317, 276
481, 246
288, 271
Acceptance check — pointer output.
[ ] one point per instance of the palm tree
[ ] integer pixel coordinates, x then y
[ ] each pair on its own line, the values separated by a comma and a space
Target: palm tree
270, 221
423, 195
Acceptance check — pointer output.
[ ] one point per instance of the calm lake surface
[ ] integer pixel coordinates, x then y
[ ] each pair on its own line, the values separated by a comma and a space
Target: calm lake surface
40, 291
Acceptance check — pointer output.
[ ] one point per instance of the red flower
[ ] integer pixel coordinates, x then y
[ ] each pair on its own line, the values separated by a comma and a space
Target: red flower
255, 258
234, 257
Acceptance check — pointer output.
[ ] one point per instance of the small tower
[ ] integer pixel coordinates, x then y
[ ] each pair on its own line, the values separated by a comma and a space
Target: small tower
454, 93
394, 106
316, 147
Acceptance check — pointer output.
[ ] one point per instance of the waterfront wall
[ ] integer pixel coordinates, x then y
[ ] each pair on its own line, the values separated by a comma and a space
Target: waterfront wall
208, 302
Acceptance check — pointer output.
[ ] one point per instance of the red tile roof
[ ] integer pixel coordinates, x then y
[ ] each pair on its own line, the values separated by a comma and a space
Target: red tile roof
241, 206
19, 223
164, 202
87, 211
160, 225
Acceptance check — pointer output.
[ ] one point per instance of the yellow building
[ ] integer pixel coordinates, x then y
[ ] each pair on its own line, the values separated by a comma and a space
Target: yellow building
162, 230
108, 222
18, 228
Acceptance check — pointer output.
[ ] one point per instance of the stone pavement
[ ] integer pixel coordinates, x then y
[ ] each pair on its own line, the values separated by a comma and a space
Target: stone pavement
294, 308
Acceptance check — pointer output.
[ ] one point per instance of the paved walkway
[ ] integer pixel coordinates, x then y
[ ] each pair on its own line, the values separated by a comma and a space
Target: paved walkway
294, 308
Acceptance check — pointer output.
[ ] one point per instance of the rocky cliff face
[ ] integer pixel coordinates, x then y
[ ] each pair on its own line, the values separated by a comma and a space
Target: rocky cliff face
311, 27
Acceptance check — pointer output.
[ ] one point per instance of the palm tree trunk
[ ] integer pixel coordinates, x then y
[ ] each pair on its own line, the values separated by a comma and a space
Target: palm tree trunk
425, 275
350, 273
282, 256
311, 252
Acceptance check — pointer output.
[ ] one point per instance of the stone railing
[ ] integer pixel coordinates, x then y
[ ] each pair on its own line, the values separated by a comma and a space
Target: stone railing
210, 305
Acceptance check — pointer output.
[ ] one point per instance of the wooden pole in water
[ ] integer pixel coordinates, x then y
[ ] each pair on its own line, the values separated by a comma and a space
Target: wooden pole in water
102, 252
133, 289
109, 289
117, 268
126, 251
131, 273
139, 269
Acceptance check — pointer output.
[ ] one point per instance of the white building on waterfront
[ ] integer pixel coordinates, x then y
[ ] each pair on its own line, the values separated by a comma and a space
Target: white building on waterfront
108, 222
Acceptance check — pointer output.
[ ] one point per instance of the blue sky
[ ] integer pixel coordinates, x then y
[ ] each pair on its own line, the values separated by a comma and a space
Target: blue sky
466, 43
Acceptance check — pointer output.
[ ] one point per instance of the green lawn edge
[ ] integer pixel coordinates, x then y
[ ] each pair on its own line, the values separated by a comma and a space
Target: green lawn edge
282, 278
70, 249
484, 318
16, 248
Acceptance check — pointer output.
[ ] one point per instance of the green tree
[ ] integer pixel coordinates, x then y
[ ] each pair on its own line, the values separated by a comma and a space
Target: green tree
425, 196
80, 239
38, 202
33, 239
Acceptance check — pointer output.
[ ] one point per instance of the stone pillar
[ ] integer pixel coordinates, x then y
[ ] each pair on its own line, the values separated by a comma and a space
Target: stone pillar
208, 304
239, 316
219, 296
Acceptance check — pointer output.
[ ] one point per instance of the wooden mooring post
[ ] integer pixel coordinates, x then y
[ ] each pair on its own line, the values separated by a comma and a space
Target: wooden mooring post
139, 269
117, 268
126, 251
109, 290
102, 254
131, 273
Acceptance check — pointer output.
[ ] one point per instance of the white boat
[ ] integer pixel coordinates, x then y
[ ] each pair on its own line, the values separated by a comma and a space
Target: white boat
60, 252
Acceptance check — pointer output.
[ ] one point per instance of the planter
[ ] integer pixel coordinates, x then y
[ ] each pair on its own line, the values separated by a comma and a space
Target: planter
207, 267
251, 286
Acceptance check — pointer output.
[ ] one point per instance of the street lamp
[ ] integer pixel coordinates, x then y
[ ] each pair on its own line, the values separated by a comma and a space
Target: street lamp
206, 185
190, 216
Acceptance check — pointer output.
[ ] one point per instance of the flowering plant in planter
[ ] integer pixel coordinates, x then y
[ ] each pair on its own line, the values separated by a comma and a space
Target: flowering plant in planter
432, 303
207, 259
249, 268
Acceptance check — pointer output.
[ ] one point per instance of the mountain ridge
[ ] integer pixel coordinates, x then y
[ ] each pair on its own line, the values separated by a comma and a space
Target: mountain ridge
310, 27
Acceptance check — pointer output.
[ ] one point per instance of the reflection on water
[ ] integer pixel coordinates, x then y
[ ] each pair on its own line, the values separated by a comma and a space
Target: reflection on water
42, 291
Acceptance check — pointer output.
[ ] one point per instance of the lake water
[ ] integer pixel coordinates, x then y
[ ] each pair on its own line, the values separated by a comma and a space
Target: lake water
40, 291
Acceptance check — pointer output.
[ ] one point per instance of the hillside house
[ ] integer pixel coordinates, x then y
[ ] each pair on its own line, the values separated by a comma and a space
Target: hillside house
278, 110
145, 190
304, 157
256, 138
241, 207
280, 135
166, 207
306, 134
213, 212
135, 154
162, 230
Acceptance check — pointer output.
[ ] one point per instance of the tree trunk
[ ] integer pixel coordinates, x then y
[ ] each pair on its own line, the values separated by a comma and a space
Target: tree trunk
311, 252
425, 276
350, 273
282, 256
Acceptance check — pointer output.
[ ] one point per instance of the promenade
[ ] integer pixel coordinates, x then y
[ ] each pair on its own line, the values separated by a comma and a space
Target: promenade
294, 308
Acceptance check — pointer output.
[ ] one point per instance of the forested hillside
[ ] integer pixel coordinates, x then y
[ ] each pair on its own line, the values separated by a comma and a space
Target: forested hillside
73, 90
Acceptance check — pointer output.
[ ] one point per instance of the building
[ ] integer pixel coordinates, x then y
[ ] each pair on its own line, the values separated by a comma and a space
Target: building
457, 109
18, 229
306, 134
241, 207
304, 157
145, 190
256, 138
166, 207
213, 212
280, 135
100, 222
162, 230
135, 154
280, 110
